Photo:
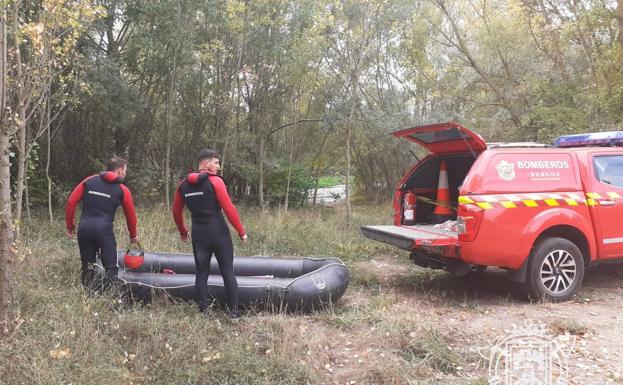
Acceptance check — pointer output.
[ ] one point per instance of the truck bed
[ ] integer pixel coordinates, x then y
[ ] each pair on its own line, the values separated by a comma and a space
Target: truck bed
412, 237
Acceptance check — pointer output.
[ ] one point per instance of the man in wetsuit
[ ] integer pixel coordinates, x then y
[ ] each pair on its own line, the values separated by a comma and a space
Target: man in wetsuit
205, 195
101, 195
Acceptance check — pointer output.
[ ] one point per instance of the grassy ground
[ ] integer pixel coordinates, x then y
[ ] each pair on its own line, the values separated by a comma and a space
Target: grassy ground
63, 336
396, 324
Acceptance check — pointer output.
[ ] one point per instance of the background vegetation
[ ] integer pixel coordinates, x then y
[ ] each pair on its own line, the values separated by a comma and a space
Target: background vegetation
290, 90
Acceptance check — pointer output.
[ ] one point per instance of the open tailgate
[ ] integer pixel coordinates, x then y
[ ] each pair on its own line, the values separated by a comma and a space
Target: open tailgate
413, 237
444, 138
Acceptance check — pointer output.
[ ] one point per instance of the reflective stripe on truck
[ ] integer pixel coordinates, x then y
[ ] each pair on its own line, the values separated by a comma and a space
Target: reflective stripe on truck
536, 200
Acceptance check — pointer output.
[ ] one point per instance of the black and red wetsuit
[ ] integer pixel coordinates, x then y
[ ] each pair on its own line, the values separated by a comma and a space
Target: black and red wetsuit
205, 195
101, 195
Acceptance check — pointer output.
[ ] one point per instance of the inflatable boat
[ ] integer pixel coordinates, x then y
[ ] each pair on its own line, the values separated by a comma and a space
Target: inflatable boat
282, 284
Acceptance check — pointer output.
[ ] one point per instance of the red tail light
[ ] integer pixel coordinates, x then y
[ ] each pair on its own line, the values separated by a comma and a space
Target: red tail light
468, 221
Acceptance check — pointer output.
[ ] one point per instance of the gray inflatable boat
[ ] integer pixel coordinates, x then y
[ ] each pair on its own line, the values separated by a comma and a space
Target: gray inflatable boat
283, 284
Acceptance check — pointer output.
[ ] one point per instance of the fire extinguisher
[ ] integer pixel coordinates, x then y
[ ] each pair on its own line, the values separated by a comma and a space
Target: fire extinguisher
409, 208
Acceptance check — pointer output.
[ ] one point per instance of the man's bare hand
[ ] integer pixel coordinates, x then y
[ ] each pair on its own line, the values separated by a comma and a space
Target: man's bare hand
185, 237
244, 238
70, 234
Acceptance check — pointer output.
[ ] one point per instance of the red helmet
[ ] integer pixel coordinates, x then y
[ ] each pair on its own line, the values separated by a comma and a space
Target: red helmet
133, 259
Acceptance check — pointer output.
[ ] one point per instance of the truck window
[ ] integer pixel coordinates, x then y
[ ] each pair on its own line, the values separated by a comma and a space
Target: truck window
609, 169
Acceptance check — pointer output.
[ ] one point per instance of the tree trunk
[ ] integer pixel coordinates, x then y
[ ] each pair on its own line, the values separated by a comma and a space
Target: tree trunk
167, 173
224, 153
27, 199
167, 156
290, 156
316, 183
620, 37
28, 144
261, 177
113, 46
233, 103
167, 118
349, 124
6, 229
348, 132
47, 163
21, 124
316, 172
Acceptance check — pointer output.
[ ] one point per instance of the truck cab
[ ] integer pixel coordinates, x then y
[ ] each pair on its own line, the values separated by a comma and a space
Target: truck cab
542, 212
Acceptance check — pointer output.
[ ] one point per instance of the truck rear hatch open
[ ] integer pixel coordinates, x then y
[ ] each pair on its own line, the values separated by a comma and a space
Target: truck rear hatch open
457, 148
409, 238
444, 138
450, 145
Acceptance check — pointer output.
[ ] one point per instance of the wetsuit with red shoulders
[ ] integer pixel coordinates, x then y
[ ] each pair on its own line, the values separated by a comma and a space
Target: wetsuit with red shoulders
101, 195
206, 196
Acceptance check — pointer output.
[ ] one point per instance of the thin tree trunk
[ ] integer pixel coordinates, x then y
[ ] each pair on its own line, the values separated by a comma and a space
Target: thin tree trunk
348, 132
290, 156
349, 124
317, 182
261, 177
21, 128
167, 174
224, 153
234, 98
47, 163
6, 226
620, 37
316, 172
27, 199
6, 229
167, 123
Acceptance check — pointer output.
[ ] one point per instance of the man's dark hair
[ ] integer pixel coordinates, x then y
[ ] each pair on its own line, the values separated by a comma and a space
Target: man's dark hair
206, 154
115, 163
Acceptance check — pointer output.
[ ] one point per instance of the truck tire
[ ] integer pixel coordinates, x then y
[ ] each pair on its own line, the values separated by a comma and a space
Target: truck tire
555, 270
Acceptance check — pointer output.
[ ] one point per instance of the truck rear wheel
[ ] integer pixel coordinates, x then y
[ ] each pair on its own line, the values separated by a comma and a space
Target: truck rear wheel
555, 270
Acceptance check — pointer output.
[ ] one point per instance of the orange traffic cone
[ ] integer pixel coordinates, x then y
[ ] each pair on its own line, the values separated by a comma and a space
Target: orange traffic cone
443, 192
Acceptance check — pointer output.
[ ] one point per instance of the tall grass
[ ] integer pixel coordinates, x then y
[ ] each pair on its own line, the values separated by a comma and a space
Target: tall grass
317, 231
63, 336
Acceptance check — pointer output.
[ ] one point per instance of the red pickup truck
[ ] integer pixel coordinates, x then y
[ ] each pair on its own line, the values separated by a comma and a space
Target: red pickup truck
543, 212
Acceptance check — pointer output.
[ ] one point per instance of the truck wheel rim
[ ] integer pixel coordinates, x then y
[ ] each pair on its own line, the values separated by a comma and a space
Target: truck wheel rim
558, 271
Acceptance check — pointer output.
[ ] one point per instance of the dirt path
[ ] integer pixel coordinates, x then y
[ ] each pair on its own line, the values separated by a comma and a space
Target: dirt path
470, 313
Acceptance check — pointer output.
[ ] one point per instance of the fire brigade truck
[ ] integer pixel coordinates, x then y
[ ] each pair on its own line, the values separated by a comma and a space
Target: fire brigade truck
545, 213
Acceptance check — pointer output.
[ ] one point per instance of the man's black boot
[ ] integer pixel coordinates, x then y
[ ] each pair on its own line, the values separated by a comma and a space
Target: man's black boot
204, 308
89, 279
234, 315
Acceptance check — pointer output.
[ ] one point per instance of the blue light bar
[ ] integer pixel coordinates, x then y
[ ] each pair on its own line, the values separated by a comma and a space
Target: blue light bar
611, 138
